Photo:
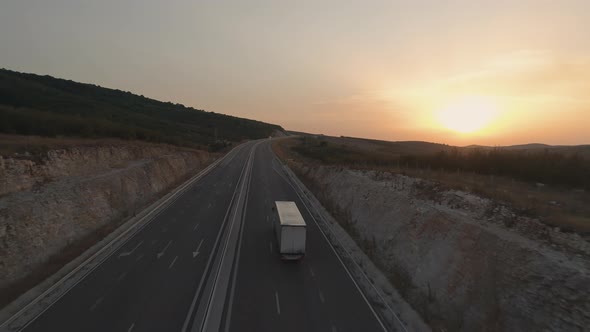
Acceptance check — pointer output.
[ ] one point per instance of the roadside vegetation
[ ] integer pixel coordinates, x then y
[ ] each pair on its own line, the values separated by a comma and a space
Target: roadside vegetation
35, 148
549, 183
45, 106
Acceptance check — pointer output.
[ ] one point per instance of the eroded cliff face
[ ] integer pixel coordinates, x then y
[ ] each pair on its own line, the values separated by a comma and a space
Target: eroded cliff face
456, 258
51, 201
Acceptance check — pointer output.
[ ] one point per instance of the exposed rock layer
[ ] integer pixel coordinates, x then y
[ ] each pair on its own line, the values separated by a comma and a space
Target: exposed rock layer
456, 258
49, 202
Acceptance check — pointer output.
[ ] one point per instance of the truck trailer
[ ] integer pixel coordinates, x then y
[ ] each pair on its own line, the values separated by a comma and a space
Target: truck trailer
290, 231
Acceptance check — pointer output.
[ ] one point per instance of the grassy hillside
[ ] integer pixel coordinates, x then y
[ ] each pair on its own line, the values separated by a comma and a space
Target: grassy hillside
564, 166
42, 105
508, 176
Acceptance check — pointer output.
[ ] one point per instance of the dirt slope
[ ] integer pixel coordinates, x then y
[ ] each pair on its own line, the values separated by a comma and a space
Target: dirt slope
464, 262
61, 202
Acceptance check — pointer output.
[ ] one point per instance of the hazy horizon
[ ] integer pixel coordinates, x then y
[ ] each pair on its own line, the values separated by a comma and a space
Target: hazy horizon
460, 73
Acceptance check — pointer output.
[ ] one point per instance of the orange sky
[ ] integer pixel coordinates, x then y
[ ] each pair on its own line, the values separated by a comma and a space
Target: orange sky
394, 70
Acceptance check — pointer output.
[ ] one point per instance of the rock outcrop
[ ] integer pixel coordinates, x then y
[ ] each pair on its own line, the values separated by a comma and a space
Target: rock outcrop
51, 201
464, 262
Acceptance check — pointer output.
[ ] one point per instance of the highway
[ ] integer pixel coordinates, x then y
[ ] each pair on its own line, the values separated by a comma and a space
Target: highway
208, 261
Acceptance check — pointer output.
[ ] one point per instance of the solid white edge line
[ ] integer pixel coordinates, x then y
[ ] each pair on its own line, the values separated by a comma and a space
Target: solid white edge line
237, 260
210, 259
363, 273
244, 187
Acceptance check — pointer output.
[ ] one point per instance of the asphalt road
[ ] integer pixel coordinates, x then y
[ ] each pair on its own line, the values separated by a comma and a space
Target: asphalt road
315, 294
208, 262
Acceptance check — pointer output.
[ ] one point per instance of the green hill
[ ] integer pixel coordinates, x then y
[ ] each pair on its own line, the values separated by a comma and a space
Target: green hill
43, 105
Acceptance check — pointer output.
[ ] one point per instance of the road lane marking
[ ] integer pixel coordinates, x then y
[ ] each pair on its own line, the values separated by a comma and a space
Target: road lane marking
161, 253
41, 303
203, 283
121, 276
229, 257
322, 296
293, 184
123, 254
196, 226
196, 252
96, 303
173, 261
209, 206
139, 257
311, 271
131, 327
334, 329
210, 259
278, 304
237, 263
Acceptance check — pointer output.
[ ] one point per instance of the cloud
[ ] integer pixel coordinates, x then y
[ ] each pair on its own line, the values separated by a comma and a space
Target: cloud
365, 113
536, 76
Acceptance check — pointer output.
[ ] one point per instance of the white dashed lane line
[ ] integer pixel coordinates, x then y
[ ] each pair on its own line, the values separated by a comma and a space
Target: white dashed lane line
173, 261
96, 303
123, 254
121, 276
278, 303
197, 252
161, 253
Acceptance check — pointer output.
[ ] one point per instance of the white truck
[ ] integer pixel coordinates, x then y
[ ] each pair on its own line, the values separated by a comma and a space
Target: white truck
290, 231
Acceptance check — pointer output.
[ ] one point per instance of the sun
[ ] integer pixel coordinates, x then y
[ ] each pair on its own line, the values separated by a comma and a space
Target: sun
467, 114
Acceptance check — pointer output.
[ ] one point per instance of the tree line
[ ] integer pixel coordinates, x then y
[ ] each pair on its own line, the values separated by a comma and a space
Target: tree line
545, 166
542, 166
43, 105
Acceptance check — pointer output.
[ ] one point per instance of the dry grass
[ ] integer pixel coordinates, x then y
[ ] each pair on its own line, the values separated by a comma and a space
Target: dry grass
32, 146
556, 206
559, 207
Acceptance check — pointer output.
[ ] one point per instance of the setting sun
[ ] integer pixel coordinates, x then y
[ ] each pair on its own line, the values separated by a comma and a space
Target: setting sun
468, 114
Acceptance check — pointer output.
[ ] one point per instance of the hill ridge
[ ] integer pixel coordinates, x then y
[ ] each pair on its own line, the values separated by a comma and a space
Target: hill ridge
32, 104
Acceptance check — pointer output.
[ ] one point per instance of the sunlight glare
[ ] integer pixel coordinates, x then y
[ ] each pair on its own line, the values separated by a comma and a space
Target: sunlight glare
468, 114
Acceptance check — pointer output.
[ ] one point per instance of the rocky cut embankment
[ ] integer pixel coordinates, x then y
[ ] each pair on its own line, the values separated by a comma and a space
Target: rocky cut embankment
455, 257
51, 202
